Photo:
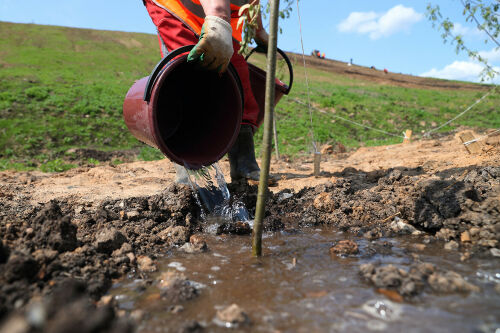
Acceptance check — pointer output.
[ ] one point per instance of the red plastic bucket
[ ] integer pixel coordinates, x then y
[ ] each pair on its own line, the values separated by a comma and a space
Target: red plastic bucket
192, 115
258, 83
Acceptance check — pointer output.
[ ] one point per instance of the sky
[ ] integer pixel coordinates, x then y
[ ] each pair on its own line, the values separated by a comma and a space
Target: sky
395, 35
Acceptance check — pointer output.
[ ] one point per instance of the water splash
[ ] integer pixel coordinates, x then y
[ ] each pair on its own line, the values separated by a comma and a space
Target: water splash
213, 194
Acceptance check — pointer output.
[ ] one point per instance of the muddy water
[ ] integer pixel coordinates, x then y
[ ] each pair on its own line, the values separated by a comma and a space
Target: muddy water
298, 287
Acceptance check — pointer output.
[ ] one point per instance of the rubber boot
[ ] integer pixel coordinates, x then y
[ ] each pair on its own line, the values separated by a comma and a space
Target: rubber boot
242, 157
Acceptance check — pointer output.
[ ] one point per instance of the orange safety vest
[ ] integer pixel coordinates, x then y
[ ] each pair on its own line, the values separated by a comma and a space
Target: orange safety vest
191, 13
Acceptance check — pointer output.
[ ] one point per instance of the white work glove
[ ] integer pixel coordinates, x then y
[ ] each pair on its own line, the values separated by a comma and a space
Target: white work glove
215, 46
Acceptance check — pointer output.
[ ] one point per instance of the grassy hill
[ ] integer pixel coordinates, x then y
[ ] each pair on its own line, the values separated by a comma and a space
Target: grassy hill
63, 88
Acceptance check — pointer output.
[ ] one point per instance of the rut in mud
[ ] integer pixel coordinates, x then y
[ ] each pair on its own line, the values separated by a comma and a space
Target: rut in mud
56, 247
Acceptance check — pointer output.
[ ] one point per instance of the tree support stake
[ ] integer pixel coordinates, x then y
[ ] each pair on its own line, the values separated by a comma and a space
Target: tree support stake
268, 130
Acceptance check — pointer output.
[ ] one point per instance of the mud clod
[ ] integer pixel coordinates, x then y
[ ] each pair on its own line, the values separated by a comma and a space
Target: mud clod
21, 266
451, 246
344, 247
324, 202
175, 235
413, 282
108, 240
52, 228
233, 315
146, 264
176, 288
450, 282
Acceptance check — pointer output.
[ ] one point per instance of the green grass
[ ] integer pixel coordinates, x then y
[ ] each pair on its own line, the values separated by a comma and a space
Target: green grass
389, 108
62, 88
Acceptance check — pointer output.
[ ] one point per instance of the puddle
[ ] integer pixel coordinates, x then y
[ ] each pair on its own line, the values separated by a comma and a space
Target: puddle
297, 286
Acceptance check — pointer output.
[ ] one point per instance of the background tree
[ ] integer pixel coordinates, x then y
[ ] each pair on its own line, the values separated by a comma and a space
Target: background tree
485, 15
248, 18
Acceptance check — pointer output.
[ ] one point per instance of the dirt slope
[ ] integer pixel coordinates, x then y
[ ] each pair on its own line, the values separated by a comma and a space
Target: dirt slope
379, 76
147, 178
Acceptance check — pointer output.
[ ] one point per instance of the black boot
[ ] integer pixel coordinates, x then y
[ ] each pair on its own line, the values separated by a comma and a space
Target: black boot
242, 157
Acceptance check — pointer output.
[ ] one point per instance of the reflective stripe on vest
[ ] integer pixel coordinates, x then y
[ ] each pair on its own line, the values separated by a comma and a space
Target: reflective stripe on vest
191, 13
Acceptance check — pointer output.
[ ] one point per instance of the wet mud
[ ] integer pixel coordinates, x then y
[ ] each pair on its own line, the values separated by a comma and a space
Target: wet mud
59, 260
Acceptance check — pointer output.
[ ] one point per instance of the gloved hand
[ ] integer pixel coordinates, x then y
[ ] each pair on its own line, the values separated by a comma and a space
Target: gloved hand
262, 40
215, 46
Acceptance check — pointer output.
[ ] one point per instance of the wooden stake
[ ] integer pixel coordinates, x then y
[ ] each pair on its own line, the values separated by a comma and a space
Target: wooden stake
407, 138
317, 161
276, 139
268, 129
473, 147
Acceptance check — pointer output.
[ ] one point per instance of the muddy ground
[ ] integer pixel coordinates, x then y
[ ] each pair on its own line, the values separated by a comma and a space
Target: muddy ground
65, 238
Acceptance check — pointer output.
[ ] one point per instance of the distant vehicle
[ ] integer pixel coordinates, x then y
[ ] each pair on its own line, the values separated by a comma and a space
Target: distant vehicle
318, 54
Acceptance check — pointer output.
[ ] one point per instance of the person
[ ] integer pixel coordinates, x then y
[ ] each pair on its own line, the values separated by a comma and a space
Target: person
212, 26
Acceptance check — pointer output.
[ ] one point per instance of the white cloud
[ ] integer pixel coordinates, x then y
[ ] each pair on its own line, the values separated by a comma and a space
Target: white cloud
492, 55
459, 29
459, 70
378, 25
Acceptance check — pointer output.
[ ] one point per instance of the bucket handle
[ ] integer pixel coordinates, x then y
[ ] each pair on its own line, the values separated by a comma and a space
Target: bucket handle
159, 67
288, 63
169, 57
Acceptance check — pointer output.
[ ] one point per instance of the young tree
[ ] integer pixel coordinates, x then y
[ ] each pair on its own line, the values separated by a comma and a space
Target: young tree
485, 15
248, 18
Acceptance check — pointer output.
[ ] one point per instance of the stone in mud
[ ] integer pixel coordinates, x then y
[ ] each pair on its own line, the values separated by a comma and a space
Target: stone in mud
413, 282
488, 243
191, 248
197, 240
175, 309
450, 282
344, 247
176, 288
495, 252
446, 234
175, 235
233, 315
324, 202
419, 246
372, 234
20, 266
137, 315
401, 227
388, 276
465, 237
146, 264
133, 215
108, 240
451, 246
235, 228
131, 258
392, 176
